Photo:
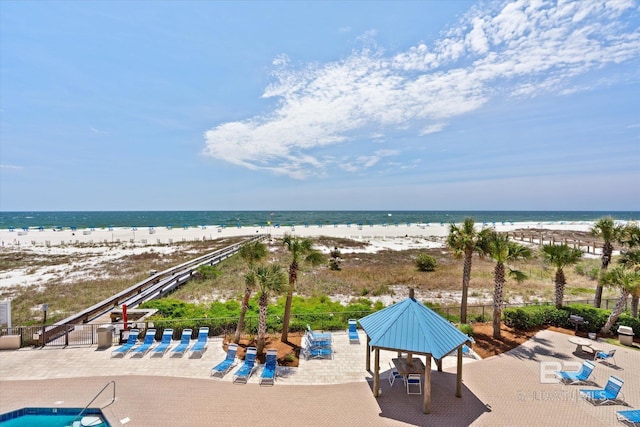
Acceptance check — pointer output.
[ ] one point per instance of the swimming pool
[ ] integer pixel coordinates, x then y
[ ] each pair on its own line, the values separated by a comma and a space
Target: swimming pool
53, 417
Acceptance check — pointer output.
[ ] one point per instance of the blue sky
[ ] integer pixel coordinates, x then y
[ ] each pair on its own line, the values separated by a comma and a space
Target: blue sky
422, 105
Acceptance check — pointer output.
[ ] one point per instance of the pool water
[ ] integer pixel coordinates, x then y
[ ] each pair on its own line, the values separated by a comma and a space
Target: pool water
52, 417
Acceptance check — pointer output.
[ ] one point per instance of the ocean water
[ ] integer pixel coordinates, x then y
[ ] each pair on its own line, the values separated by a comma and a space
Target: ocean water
105, 219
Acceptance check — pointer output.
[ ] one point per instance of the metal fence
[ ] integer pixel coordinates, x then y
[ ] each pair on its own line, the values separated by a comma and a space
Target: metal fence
484, 313
87, 334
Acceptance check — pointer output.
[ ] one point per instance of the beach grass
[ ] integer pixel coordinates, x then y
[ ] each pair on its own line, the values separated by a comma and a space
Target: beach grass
385, 274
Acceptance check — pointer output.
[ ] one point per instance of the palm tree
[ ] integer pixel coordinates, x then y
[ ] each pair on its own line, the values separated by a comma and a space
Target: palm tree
298, 248
252, 253
627, 281
560, 256
502, 250
631, 261
464, 240
269, 279
607, 230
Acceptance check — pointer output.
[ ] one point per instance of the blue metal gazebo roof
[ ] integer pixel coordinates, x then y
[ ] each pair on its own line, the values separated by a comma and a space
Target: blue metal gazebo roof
412, 327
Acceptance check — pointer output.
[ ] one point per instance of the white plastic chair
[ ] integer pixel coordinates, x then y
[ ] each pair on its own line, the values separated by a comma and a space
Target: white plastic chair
414, 380
393, 374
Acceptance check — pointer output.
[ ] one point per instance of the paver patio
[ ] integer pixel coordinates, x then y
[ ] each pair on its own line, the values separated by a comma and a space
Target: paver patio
505, 390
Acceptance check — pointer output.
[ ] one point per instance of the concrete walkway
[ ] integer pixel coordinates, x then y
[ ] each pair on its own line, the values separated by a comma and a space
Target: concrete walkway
505, 390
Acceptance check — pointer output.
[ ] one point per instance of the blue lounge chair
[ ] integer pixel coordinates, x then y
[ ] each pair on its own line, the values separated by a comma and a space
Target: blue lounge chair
127, 346
165, 343
577, 377
607, 395
149, 340
323, 342
630, 417
245, 371
310, 352
229, 362
185, 341
354, 338
268, 374
318, 336
201, 344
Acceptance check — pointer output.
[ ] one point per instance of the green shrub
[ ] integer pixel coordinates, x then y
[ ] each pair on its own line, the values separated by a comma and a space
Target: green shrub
533, 316
425, 262
596, 317
466, 329
208, 272
626, 320
588, 269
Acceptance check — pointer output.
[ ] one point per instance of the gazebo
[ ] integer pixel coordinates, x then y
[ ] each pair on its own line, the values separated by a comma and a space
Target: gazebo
410, 326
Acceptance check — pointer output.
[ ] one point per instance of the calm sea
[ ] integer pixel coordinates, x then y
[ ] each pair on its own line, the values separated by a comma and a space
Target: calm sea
19, 220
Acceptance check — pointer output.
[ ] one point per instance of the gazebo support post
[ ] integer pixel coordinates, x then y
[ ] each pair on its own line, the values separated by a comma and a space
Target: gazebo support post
427, 385
376, 373
459, 374
368, 354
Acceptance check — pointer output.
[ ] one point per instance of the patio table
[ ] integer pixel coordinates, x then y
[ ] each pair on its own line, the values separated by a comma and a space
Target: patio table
581, 343
404, 368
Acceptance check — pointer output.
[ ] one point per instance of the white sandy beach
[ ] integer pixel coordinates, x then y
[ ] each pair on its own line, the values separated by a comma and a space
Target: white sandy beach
162, 235
91, 248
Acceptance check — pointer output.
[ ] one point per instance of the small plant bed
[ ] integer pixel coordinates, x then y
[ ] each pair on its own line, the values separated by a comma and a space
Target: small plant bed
288, 353
487, 346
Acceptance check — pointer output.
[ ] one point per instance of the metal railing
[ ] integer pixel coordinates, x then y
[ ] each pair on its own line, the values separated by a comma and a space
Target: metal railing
151, 288
79, 416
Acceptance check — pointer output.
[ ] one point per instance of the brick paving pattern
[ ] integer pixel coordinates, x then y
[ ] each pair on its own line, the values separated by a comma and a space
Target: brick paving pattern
171, 391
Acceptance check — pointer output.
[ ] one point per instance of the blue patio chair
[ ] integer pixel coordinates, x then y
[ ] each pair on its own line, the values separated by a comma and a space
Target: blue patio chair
630, 417
394, 374
354, 338
601, 355
413, 380
245, 371
165, 343
201, 344
229, 362
577, 377
603, 396
149, 340
268, 374
127, 346
185, 341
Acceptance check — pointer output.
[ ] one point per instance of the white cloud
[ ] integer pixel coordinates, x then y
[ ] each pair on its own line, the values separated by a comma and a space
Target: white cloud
11, 167
438, 127
522, 49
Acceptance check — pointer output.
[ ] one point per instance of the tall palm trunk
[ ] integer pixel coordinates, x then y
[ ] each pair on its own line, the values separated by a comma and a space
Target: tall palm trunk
263, 302
466, 278
634, 305
560, 284
607, 251
498, 298
293, 277
617, 311
243, 312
